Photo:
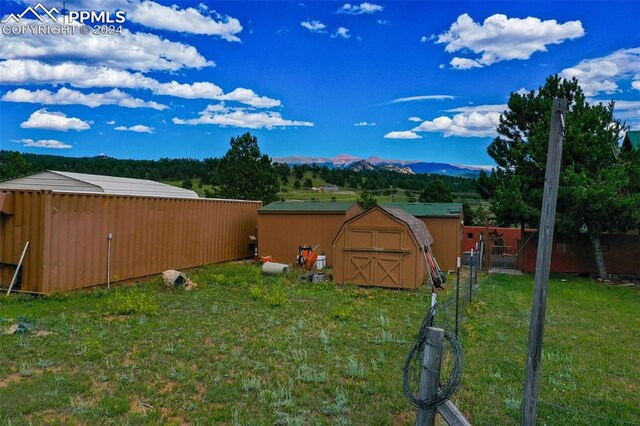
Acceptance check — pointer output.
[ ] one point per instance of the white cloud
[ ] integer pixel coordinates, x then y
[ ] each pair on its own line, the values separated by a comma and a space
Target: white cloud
474, 124
603, 75
341, 32
465, 63
364, 124
135, 51
500, 38
242, 118
112, 122
187, 20
383, 22
500, 108
16, 71
44, 143
138, 128
424, 39
314, 26
29, 71
66, 96
415, 119
628, 111
249, 97
362, 8
421, 98
405, 134
196, 90
43, 119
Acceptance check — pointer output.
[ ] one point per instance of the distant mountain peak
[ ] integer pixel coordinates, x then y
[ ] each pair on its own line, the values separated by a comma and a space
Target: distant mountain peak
379, 163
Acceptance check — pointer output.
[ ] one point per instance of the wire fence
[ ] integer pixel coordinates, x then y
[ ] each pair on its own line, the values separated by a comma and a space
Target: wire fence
453, 303
448, 313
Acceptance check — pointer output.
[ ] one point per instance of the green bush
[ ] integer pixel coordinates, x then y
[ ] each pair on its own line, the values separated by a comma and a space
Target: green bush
132, 301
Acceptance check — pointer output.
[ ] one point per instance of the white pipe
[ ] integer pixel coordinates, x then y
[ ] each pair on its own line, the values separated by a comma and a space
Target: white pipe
109, 238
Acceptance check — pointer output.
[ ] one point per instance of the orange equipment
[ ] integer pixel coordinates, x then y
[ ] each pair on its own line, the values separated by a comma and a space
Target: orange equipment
307, 256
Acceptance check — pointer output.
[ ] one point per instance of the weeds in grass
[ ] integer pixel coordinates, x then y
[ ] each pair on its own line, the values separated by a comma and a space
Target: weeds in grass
297, 355
383, 320
324, 337
250, 384
25, 369
354, 368
132, 301
338, 406
342, 313
307, 374
280, 396
90, 347
287, 419
384, 337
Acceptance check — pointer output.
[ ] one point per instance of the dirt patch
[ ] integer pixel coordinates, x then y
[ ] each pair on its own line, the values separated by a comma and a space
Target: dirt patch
168, 387
138, 406
116, 317
403, 418
10, 380
41, 333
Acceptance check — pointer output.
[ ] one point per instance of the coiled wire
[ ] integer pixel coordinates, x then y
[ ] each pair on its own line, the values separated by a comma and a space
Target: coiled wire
446, 389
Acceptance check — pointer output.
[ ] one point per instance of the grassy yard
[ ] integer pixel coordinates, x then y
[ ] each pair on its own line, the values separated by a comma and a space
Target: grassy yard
242, 349
590, 360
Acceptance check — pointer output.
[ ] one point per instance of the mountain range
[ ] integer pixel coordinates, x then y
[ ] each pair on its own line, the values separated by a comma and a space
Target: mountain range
377, 163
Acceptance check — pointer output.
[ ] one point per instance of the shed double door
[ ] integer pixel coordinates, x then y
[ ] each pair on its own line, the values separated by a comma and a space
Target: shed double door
374, 257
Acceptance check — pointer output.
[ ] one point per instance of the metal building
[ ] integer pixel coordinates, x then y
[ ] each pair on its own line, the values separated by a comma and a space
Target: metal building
444, 221
68, 233
86, 183
381, 247
284, 226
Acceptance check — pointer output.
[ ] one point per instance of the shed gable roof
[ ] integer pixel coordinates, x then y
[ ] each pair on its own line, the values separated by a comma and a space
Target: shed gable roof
429, 209
308, 206
82, 182
417, 227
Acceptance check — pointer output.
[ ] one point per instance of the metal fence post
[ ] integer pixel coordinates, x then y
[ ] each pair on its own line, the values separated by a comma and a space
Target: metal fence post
471, 277
430, 374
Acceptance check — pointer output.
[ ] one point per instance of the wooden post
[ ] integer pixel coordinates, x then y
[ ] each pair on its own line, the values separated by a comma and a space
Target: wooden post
543, 262
17, 271
430, 374
457, 293
452, 415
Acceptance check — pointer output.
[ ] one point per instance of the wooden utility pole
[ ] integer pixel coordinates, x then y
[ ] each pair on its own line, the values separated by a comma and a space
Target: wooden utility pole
430, 375
543, 262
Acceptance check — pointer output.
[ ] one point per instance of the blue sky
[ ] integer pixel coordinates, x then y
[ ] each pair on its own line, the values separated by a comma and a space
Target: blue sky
403, 80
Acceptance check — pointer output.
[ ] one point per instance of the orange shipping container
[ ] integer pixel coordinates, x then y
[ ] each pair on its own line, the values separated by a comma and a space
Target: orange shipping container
68, 233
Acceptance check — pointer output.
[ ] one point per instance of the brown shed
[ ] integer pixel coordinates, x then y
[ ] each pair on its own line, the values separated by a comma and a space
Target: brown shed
284, 226
381, 247
68, 232
444, 221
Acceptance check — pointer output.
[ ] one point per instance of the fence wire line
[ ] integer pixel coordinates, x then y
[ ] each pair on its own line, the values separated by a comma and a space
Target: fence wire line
586, 413
442, 315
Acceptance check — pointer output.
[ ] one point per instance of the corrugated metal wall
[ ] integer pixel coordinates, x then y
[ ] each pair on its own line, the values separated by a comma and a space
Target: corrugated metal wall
447, 240
280, 233
68, 236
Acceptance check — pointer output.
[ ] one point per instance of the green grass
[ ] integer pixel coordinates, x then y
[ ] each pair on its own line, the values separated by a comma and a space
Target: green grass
590, 359
243, 349
238, 349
